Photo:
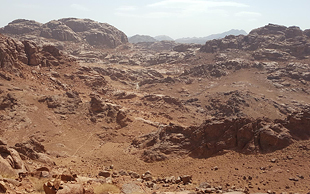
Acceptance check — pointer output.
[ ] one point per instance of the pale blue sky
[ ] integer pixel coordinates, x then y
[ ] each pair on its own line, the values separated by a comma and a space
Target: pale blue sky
175, 18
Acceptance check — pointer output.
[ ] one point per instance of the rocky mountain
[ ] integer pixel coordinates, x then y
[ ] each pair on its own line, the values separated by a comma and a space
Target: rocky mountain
272, 42
231, 116
141, 38
68, 29
163, 37
202, 40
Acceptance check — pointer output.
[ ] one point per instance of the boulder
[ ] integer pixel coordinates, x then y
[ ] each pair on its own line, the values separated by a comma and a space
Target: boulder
105, 174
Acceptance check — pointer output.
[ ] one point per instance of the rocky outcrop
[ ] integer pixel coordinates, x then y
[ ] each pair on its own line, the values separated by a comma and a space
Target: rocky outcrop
96, 33
10, 161
273, 42
112, 113
215, 135
33, 149
294, 70
14, 54
59, 31
67, 103
22, 26
68, 29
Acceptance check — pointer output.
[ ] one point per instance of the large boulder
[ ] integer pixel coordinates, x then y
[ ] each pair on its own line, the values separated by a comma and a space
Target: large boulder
10, 162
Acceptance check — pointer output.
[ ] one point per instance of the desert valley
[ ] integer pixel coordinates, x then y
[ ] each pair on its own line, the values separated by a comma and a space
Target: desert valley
82, 110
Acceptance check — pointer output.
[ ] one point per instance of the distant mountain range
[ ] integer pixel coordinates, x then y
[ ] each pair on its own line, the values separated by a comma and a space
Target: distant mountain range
196, 40
202, 40
141, 38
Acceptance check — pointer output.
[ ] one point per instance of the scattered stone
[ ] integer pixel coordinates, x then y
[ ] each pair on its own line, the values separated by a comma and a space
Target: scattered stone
186, 179
105, 174
134, 175
274, 160
293, 179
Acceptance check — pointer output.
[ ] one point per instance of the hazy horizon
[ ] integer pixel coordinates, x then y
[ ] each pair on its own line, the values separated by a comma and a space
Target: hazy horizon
174, 18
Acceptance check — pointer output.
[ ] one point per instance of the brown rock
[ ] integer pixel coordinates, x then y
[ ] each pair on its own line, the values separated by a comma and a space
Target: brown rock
48, 189
186, 179
3, 187
104, 174
68, 177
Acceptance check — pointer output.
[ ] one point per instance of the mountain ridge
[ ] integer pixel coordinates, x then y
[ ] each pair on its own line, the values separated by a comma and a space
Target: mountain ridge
188, 40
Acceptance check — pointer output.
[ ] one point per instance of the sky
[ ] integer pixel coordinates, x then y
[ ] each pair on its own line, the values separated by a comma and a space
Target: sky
175, 18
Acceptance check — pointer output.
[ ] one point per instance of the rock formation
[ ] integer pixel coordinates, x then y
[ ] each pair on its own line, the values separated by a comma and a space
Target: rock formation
14, 54
68, 29
273, 42
216, 135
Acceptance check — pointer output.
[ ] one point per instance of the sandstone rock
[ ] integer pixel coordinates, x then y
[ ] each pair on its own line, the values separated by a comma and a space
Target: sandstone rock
147, 177
215, 135
3, 187
95, 33
282, 41
132, 187
2, 142
59, 31
22, 26
186, 179
67, 103
48, 189
30, 148
68, 177
71, 188
123, 173
18, 162
111, 112
271, 54
6, 168
105, 174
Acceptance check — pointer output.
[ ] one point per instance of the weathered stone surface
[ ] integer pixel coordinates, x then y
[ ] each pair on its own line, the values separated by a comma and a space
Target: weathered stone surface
22, 26
241, 134
95, 33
